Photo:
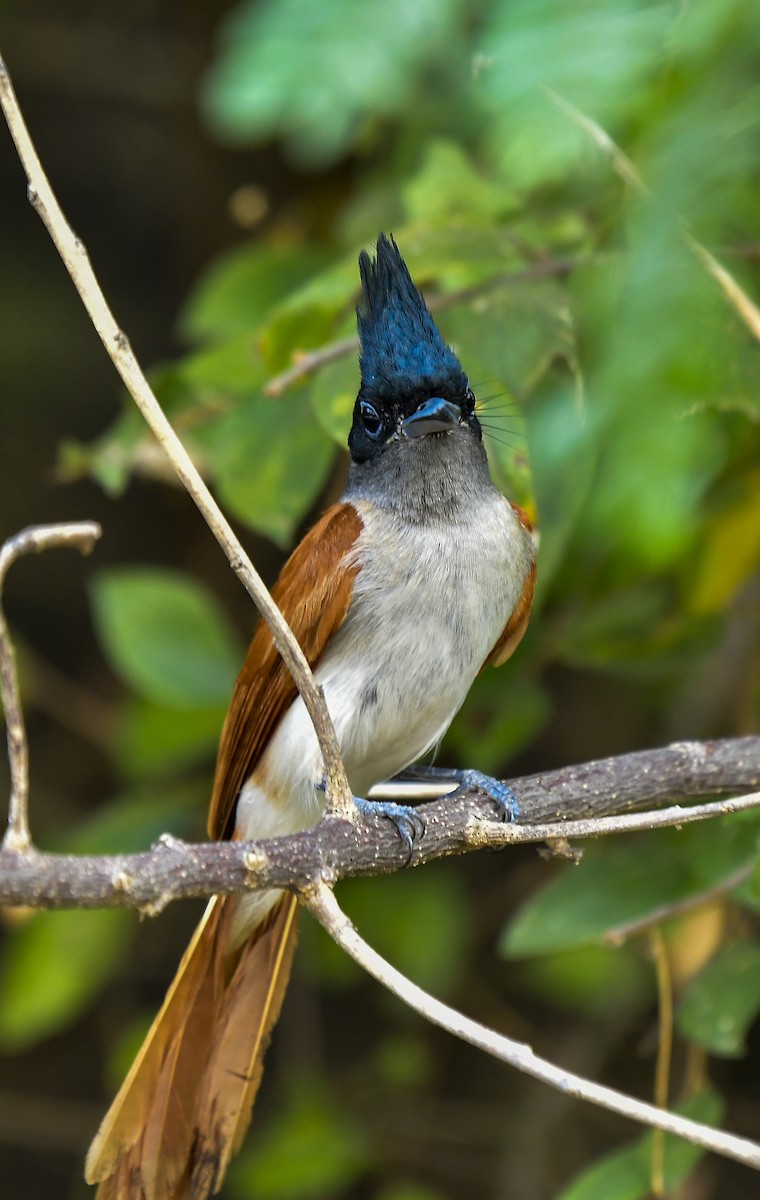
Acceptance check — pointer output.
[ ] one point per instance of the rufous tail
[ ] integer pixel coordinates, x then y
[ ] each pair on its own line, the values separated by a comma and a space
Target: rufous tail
184, 1108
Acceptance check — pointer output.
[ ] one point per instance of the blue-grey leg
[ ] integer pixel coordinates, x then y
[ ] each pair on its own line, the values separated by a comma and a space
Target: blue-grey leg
503, 797
409, 824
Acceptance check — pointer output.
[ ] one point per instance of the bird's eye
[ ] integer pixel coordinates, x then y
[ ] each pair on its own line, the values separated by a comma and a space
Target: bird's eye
469, 402
371, 419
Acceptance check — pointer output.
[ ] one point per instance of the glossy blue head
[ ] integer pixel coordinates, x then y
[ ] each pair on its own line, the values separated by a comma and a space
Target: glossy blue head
412, 382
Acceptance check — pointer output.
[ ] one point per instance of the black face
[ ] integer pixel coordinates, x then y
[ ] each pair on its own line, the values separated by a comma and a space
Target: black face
379, 423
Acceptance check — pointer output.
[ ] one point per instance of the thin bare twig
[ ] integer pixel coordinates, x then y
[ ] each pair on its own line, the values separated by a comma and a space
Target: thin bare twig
82, 535
493, 835
77, 262
322, 903
308, 361
664, 1052
733, 291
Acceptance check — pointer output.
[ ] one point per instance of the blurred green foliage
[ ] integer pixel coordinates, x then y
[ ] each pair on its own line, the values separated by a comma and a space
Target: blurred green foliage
723, 1000
165, 637
638, 875
620, 400
312, 1149
626, 1174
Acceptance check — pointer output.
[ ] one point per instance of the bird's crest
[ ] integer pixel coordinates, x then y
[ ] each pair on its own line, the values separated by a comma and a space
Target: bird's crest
401, 348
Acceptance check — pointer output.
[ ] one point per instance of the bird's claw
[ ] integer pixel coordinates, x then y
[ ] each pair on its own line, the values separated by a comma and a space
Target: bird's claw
503, 797
409, 824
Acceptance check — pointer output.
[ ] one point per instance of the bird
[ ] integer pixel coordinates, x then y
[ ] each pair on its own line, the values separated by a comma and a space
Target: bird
417, 578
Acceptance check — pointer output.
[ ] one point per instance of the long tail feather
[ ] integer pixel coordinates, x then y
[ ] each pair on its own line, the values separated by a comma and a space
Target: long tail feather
183, 1109
124, 1124
235, 1068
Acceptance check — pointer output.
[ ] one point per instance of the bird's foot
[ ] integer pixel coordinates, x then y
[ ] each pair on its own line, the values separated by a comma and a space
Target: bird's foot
409, 824
503, 797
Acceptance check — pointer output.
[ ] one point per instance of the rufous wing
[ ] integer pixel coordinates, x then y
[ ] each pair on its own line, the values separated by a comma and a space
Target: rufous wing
313, 594
518, 621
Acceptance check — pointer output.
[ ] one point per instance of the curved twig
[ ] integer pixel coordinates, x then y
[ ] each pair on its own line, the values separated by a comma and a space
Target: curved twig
82, 535
77, 263
322, 903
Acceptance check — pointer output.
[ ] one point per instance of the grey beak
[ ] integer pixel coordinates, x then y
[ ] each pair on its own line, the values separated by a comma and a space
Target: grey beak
434, 416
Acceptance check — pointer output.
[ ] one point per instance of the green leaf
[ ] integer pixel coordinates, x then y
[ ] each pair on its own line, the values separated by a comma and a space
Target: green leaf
626, 1174
333, 394
729, 550
53, 967
310, 1150
240, 289
420, 924
166, 636
221, 374
330, 291
624, 880
294, 328
109, 458
128, 445
314, 74
56, 963
723, 1001
448, 186
458, 255
152, 740
564, 446
590, 979
509, 339
531, 46
608, 631
272, 459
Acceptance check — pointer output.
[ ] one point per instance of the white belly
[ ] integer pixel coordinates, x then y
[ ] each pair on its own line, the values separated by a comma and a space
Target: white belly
424, 617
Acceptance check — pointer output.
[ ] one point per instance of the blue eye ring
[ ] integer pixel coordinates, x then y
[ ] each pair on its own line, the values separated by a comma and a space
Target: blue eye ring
371, 419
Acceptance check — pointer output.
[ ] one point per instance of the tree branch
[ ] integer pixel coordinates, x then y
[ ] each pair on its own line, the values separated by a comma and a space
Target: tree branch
456, 824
